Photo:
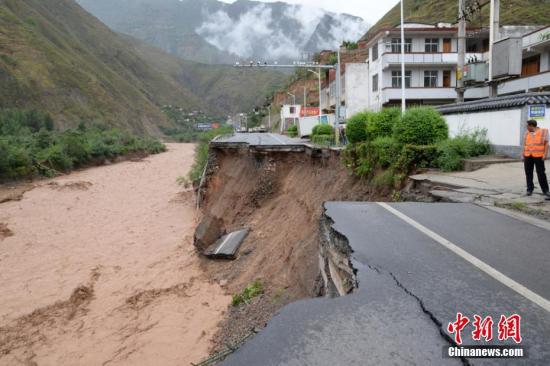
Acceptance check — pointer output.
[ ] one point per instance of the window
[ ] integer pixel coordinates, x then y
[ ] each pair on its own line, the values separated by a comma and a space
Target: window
396, 79
396, 45
430, 79
292, 110
432, 45
374, 51
375, 83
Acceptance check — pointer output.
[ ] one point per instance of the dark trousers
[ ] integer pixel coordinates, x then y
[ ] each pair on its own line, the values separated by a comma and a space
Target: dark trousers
538, 163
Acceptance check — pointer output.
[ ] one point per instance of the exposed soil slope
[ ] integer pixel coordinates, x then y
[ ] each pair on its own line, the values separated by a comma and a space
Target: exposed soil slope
100, 270
279, 196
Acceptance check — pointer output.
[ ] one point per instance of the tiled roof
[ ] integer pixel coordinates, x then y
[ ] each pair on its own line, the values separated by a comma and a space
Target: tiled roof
503, 102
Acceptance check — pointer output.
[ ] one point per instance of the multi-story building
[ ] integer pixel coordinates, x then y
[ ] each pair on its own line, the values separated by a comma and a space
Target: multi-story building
430, 57
431, 62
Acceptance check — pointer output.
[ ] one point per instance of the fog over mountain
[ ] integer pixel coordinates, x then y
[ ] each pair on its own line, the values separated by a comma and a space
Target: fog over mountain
215, 32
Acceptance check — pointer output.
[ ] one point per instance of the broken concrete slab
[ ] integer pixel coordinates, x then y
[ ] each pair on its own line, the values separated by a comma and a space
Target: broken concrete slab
208, 231
453, 196
483, 161
227, 246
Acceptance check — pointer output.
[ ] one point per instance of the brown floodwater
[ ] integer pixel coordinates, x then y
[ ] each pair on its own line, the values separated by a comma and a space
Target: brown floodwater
98, 268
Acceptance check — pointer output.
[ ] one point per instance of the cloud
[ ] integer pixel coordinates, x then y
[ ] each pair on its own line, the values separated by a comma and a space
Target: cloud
257, 34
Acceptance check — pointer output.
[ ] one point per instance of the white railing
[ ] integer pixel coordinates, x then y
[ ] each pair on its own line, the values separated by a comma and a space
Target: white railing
427, 58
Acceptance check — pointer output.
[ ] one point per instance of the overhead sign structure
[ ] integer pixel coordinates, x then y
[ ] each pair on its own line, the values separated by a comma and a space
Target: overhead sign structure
537, 111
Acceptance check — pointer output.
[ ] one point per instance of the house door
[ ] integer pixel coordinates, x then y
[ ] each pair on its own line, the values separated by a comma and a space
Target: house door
530, 66
447, 45
446, 78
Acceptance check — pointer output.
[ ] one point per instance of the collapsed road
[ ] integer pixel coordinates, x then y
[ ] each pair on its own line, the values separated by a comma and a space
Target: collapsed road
417, 266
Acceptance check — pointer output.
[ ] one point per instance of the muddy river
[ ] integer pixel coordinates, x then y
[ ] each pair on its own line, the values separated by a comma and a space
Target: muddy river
98, 268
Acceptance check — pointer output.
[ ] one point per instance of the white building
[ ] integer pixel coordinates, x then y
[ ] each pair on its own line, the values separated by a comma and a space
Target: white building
290, 113
431, 64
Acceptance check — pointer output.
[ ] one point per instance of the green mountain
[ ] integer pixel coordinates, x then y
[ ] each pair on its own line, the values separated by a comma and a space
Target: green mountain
57, 57
222, 89
512, 12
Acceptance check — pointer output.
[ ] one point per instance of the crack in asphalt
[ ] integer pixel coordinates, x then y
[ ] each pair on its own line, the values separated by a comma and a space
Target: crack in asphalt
355, 268
431, 315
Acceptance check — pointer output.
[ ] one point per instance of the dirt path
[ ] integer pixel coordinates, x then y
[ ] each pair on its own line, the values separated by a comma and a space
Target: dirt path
99, 269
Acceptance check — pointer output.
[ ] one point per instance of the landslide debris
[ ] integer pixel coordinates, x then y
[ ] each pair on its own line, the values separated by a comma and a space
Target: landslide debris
279, 196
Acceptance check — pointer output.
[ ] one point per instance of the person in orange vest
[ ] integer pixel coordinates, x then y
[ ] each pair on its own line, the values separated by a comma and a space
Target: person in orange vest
534, 153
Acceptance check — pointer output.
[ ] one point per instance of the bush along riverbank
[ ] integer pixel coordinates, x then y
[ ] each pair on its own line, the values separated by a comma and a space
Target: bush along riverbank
31, 146
385, 147
201, 151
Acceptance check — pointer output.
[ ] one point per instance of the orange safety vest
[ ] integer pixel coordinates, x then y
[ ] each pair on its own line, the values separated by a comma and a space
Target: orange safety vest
534, 144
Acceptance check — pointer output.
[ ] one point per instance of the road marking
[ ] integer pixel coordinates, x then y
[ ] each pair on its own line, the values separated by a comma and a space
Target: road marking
223, 243
502, 278
278, 139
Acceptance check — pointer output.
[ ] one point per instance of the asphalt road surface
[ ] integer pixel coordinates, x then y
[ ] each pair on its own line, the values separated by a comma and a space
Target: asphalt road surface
418, 265
259, 139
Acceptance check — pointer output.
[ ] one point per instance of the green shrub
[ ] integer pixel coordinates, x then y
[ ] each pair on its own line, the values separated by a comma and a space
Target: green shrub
323, 140
412, 157
356, 127
251, 291
201, 151
55, 157
292, 131
385, 150
29, 144
76, 148
452, 152
384, 179
322, 129
421, 126
381, 124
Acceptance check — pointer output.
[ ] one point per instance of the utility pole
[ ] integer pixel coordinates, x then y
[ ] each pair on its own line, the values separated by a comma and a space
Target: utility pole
319, 80
305, 99
461, 51
338, 88
338, 98
269, 118
494, 35
403, 92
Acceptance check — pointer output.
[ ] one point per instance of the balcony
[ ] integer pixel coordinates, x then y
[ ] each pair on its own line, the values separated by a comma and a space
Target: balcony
418, 94
526, 83
392, 59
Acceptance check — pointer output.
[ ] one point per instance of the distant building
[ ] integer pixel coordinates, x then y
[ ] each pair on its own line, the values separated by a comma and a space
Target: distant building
290, 113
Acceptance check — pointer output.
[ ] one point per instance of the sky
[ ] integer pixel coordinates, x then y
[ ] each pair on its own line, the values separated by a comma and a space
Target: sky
369, 10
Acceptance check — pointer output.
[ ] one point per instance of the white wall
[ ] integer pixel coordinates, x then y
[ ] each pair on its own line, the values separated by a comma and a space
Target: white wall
356, 88
504, 127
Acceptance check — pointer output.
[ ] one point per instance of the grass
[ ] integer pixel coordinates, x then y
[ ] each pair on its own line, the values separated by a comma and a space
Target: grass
251, 291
